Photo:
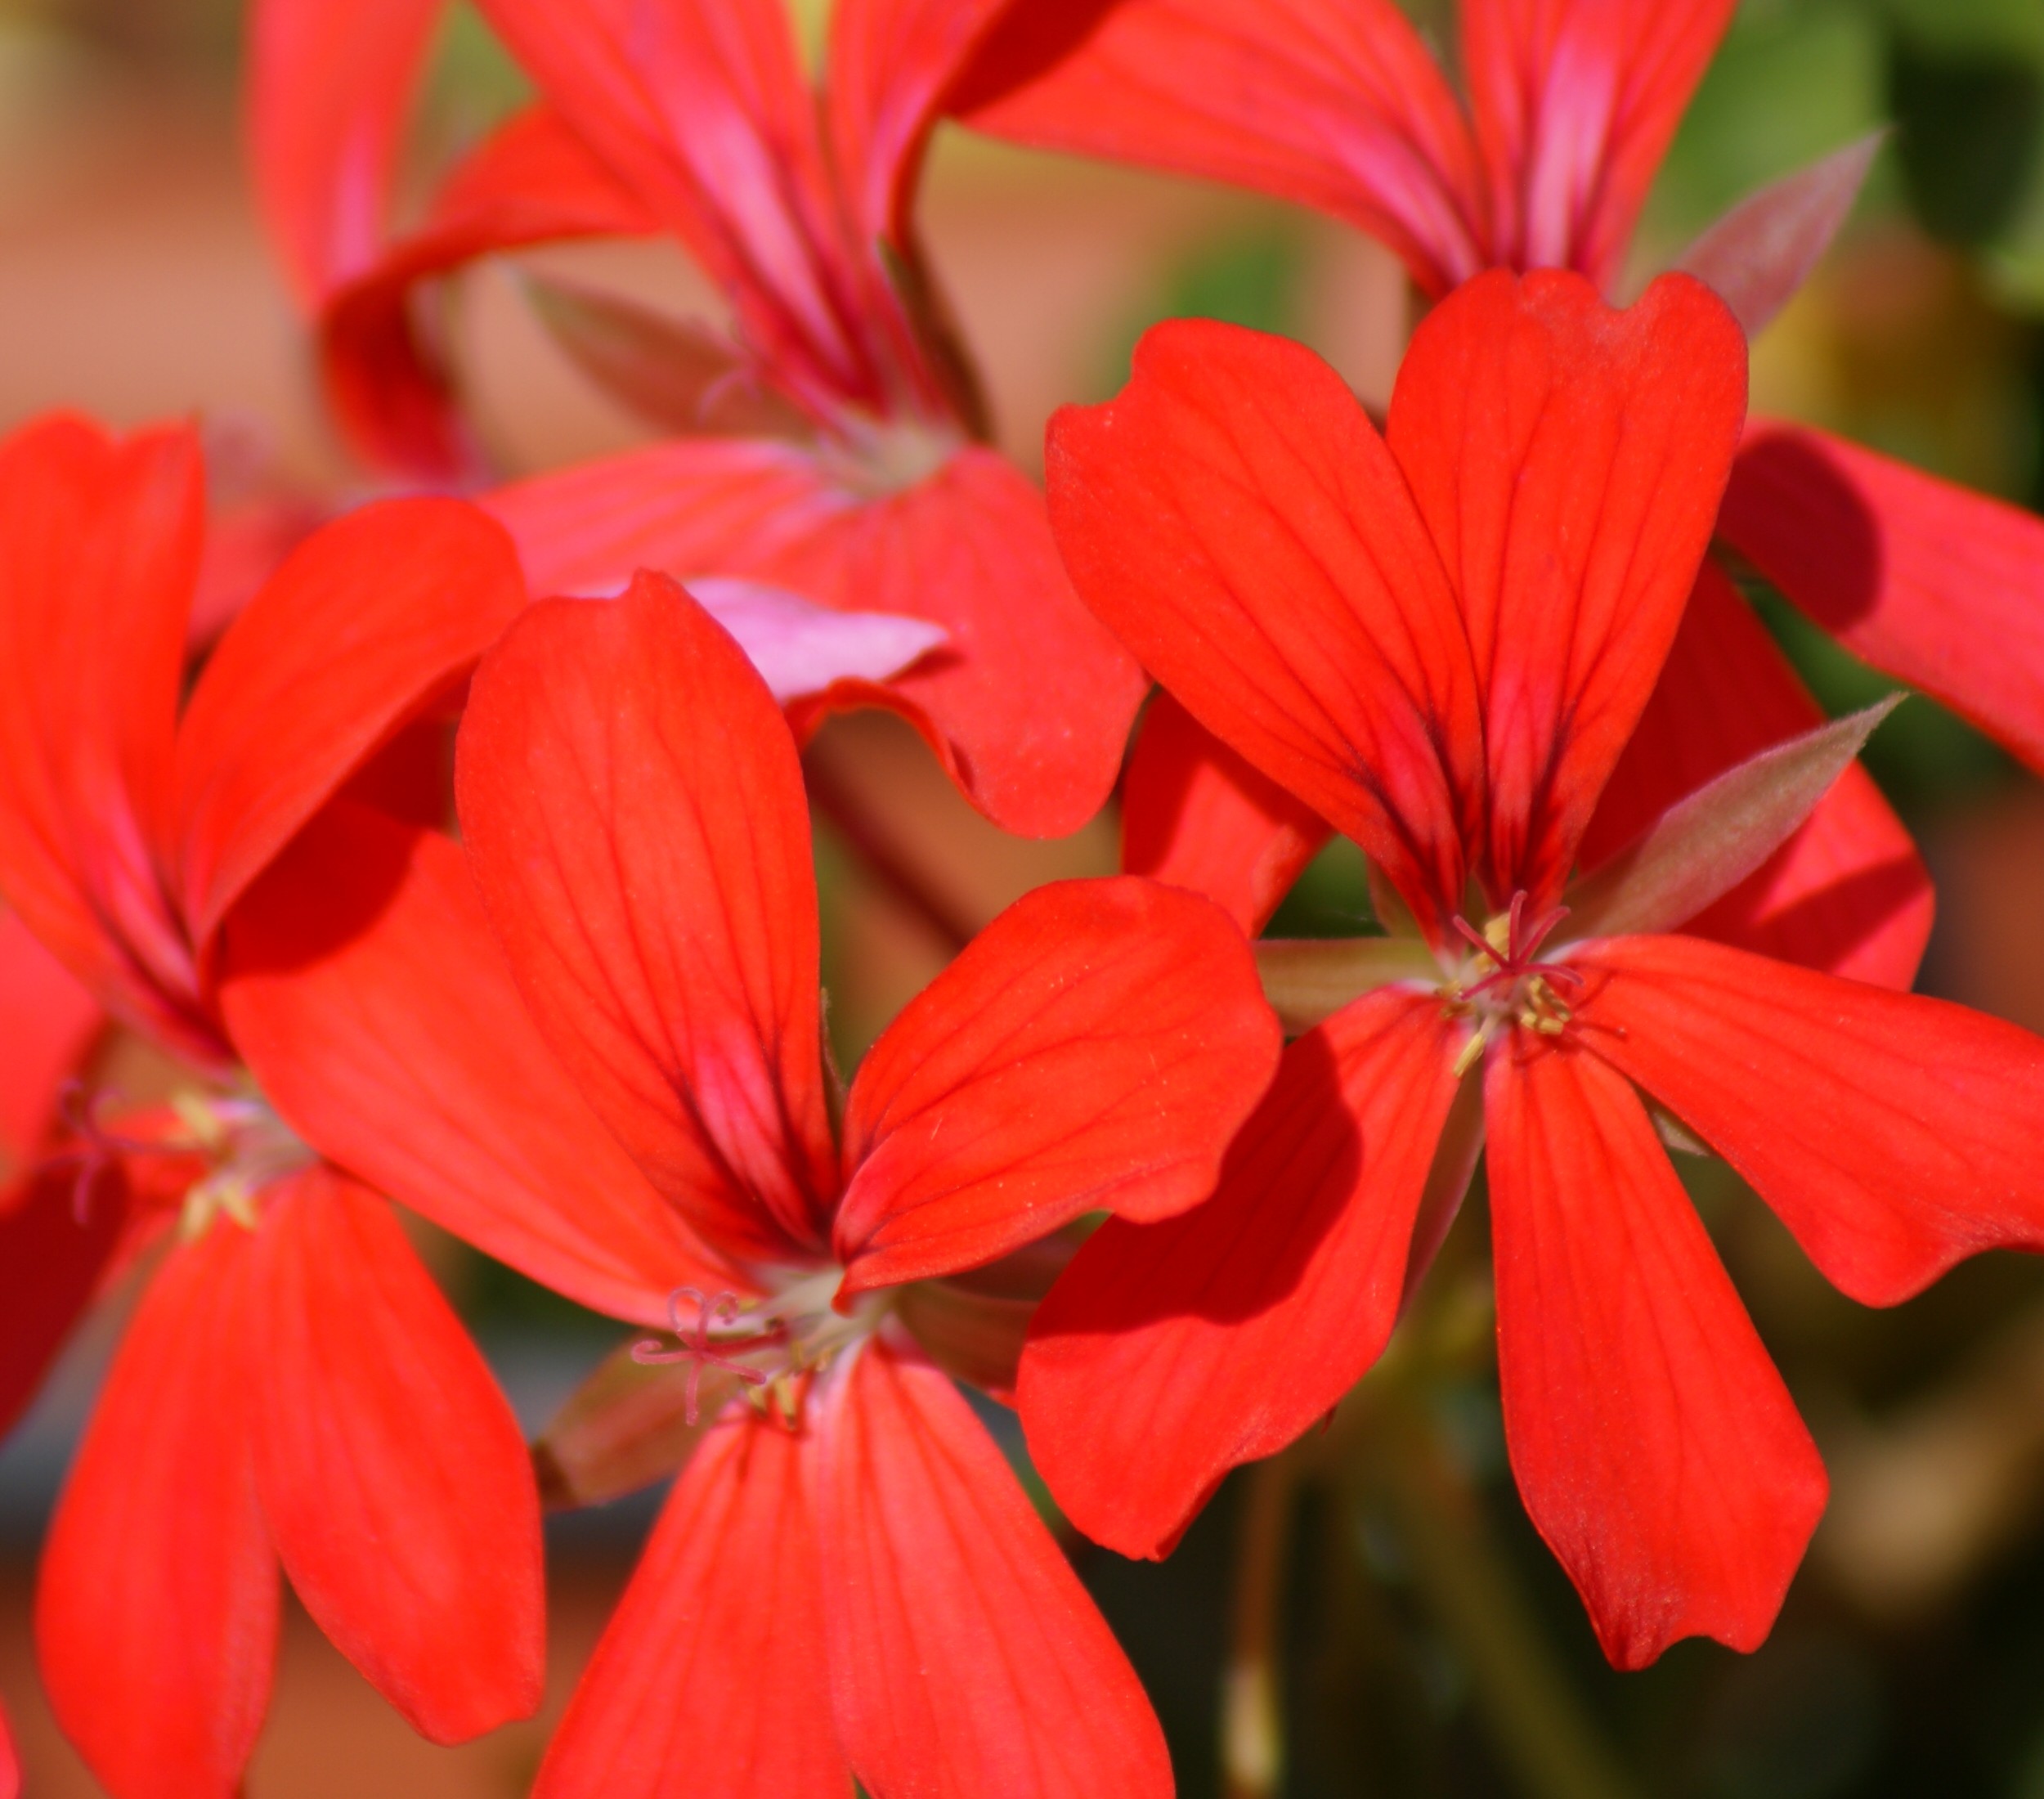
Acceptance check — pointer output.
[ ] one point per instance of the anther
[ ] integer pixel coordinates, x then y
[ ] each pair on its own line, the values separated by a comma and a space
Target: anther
696, 1347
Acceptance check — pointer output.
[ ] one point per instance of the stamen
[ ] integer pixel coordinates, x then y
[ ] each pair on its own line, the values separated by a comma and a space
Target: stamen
1512, 960
99, 1149
695, 1346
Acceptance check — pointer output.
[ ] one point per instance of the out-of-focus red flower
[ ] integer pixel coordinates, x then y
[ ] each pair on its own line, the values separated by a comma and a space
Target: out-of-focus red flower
829, 442
1440, 641
1570, 103
291, 1387
845, 1572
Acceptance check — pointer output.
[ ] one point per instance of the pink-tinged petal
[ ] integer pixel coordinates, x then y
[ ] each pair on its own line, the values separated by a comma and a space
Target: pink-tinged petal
1568, 460
1936, 585
701, 107
1195, 814
533, 181
1654, 1444
965, 1656
1093, 1049
1220, 1336
709, 1678
362, 983
1848, 894
1893, 1135
1576, 101
1764, 249
1336, 104
156, 1607
393, 1477
802, 649
372, 617
52, 1260
331, 84
891, 65
47, 1023
1029, 700
99, 549
1235, 518
636, 824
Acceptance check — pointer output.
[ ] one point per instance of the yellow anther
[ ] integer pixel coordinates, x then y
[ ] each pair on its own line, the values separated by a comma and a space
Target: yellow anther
208, 1131
208, 1199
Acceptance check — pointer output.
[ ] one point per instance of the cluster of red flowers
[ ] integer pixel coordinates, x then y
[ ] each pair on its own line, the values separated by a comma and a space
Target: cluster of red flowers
1633, 885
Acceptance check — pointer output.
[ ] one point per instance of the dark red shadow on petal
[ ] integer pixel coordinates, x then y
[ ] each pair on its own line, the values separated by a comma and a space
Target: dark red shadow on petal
1790, 511
1029, 43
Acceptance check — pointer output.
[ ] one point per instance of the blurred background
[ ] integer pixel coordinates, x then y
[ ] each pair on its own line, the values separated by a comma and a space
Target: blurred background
1370, 1613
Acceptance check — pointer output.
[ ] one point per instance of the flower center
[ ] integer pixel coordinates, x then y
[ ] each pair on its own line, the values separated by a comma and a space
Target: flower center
1504, 983
771, 1346
240, 1146
877, 458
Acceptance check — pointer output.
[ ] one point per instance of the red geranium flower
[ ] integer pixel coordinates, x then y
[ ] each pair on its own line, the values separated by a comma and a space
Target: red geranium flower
1570, 106
845, 1572
1440, 640
292, 1385
830, 444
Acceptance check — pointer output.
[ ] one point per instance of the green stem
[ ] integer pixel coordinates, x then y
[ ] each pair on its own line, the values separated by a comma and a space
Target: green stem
1252, 1716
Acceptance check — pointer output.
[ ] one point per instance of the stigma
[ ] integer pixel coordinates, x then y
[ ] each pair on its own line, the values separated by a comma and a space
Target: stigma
772, 1347
1503, 984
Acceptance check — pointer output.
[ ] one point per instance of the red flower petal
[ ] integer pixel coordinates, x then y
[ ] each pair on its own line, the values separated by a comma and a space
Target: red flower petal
635, 820
1093, 1049
1028, 701
1195, 814
891, 64
156, 1608
1568, 460
1336, 104
533, 181
50, 1262
47, 1022
98, 551
689, 508
393, 1478
372, 616
702, 107
1574, 106
1655, 1446
330, 85
10, 1762
1848, 894
965, 1655
1936, 585
709, 1678
1895, 1135
1220, 1336
362, 983
1238, 523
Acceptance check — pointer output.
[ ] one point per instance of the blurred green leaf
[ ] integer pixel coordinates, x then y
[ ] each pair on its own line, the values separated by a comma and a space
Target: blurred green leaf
1969, 124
